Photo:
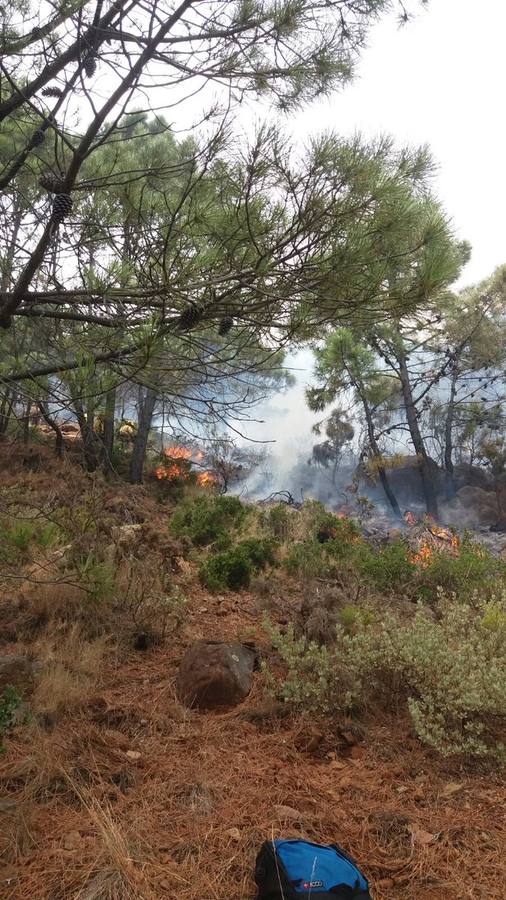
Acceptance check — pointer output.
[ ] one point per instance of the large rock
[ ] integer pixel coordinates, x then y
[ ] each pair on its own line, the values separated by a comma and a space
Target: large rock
406, 481
215, 673
466, 475
472, 507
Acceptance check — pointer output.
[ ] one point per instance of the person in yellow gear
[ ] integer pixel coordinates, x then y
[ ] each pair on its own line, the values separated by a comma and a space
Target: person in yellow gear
127, 430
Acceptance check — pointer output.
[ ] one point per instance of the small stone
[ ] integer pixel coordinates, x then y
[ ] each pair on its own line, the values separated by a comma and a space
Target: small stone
116, 739
234, 833
287, 813
175, 712
72, 840
134, 755
385, 883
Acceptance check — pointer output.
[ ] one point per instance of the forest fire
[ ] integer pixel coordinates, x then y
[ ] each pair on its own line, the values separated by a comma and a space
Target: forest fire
429, 544
178, 465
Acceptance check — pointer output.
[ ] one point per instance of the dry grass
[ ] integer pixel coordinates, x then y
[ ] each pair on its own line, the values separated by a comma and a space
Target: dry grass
128, 797
187, 817
71, 667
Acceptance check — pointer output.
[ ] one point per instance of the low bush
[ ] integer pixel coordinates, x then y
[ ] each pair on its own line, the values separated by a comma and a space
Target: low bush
385, 569
96, 577
16, 537
277, 521
448, 664
470, 570
234, 568
306, 559
207, 519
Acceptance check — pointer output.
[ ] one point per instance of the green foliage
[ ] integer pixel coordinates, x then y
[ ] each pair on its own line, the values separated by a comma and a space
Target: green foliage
96, 576
20, 535
277, 520
233, 568
9, 702
354, 618
48, 536
16, 536
449, 668
260, 551
386, 569
206, 519
305, 559
473, 569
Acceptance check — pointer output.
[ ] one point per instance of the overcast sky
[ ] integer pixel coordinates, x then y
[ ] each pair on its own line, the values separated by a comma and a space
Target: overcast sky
439, 80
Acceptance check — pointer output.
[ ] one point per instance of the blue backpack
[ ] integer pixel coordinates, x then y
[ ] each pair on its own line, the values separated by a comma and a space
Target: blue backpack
300, 870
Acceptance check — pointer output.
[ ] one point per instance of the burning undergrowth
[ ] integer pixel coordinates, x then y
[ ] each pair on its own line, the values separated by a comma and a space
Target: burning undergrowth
184, 464
429, 539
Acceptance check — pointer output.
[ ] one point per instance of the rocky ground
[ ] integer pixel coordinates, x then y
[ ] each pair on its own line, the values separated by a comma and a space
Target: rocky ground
122, 791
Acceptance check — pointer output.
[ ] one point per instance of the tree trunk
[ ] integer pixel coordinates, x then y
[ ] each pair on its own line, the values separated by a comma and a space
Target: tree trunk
108, 434
146, 410
26, 422
426, 474
450, 414
382, 472
55, 427
5, 410
90, 442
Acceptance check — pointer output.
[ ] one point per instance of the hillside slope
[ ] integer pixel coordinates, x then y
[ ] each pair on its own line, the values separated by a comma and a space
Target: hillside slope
111, 789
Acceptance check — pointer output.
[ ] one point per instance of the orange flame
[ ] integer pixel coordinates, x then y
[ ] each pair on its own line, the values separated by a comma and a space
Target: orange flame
409, 517
178, 465
206, 478
177, 453
444, 534
424, 555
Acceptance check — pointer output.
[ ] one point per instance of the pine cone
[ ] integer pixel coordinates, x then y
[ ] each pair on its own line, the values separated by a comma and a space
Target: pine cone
62, 205
51, 92
51, 183
38, 137
225, 325
90, 64
189, 318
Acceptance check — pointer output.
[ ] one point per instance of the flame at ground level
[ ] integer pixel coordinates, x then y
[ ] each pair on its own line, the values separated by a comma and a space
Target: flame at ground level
178, 465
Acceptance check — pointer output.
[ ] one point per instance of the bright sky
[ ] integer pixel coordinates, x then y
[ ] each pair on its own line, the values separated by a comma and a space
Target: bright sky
439, 80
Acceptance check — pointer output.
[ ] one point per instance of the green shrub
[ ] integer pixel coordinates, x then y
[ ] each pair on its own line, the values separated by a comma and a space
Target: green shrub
354, 618
48, 536
390, 567
306, 559
226, 570
260, 551
277, 520
233, 569
20, 535
470, 570
97, 577
207, 519
341, 530
9, 702
449, 668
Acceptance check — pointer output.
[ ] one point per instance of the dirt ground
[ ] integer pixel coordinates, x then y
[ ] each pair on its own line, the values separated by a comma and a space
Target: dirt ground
128, 795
